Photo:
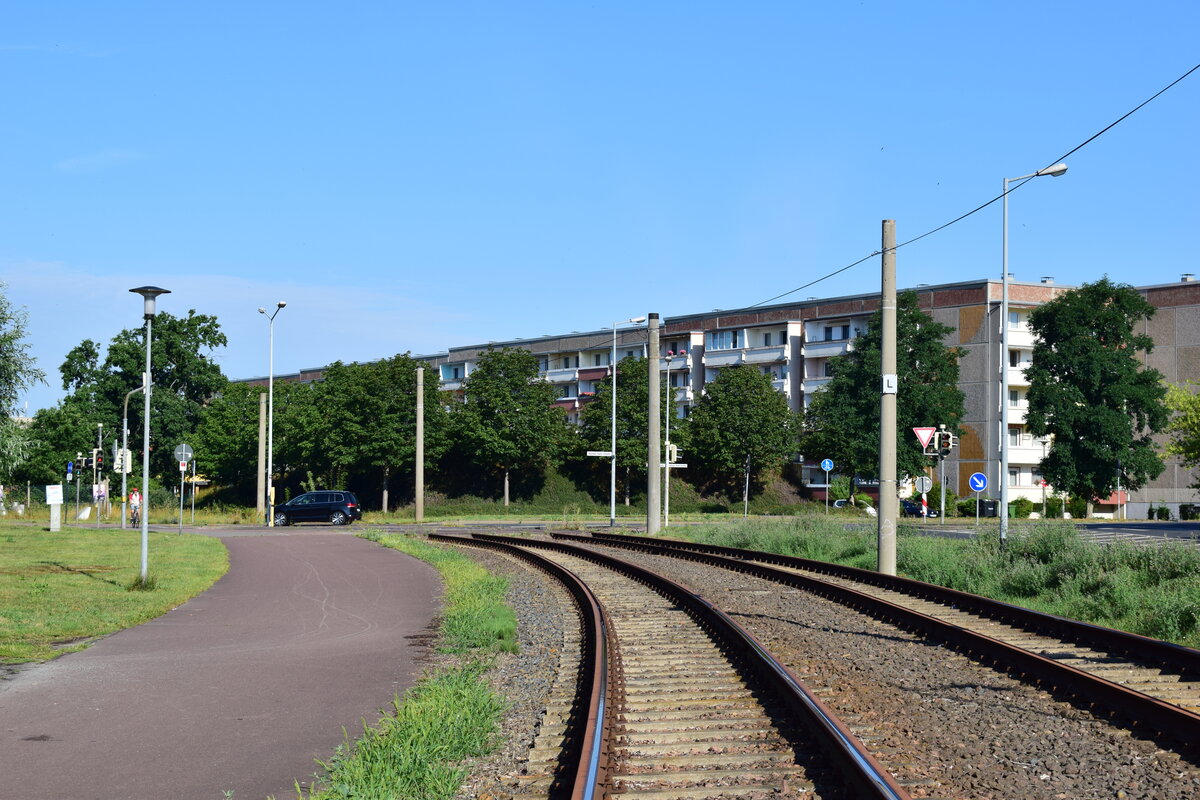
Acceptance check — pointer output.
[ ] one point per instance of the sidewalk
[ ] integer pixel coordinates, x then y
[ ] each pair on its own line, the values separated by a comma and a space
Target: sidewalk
239, 689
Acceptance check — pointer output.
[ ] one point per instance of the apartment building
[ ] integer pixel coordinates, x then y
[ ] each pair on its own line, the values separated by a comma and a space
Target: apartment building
794, 342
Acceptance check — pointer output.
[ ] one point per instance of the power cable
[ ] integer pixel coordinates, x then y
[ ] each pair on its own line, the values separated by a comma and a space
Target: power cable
1000, 196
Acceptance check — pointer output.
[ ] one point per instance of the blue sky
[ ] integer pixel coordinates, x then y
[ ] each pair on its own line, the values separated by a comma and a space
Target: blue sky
415, 176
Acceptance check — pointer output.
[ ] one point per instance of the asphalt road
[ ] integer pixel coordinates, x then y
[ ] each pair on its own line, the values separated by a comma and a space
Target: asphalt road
239, 689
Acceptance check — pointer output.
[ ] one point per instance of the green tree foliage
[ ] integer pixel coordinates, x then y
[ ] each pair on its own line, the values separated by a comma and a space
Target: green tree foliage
366, 431
633, 387
1088, 390
184, 377
1184, 427
740, 426
228, 438
18, 373
842, 421
508, 421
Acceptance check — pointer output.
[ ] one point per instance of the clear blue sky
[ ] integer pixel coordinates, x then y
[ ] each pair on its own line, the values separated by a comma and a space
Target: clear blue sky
415, 176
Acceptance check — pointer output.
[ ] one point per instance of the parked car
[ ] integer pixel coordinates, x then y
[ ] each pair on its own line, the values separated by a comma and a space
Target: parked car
336, 508
911, 508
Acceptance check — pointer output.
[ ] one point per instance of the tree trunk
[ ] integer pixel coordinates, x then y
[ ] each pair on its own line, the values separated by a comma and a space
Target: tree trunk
625, 488
506, 488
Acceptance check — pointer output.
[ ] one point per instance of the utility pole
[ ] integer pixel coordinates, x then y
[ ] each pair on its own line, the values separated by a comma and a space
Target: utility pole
653, 431
889, 498
260, 506
419, 500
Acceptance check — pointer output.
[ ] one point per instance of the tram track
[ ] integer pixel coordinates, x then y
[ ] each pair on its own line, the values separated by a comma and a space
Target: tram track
1154, 686
699, 709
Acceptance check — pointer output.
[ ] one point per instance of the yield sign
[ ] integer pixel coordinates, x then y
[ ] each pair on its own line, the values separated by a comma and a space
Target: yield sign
924, 434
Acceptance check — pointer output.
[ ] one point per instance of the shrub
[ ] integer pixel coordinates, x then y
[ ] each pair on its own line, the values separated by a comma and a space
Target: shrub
1077, 507
1189, 511
1021, 507
1054, 507
966, 508
1164, 513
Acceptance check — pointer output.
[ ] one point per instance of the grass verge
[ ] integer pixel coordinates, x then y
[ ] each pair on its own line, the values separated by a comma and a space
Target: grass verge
1149, 590
58, 591
416, 750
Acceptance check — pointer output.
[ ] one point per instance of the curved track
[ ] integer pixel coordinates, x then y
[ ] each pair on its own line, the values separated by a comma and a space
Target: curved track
700, 708
1154, 685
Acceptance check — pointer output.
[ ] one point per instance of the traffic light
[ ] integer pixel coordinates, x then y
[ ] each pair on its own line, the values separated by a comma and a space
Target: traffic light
100, 462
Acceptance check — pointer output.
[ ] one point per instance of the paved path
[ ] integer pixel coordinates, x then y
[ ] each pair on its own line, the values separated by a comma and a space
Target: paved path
238, 689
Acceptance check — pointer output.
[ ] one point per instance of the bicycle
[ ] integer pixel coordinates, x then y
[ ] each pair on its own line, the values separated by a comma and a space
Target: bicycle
135, 517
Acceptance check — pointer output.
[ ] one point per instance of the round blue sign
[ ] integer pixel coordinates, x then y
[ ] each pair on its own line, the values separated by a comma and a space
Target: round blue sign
827, 465
978, 481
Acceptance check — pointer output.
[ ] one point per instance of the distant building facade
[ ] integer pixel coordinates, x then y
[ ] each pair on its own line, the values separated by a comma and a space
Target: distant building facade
792, 343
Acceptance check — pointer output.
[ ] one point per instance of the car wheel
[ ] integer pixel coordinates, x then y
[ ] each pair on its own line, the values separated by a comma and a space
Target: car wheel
281, 519
338, 518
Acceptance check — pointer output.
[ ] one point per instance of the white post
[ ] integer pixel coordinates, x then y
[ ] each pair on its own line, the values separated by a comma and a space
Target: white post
667, 445
146, 456
612, 478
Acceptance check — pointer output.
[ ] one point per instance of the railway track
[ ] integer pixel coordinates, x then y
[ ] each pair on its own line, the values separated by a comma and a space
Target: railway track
693, 708
1153, 686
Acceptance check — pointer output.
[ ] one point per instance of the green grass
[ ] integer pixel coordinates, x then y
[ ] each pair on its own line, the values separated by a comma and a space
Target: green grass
60, 590
1149, 590
416, 750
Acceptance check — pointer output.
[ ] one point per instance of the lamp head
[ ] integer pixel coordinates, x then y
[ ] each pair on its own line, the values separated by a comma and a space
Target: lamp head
262, 310
636, 320
281, 303
1054, 172
148, 294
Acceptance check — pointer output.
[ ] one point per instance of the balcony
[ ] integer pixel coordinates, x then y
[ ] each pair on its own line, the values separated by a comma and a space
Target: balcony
765, 355
561, 375
1020, 338
1016, 375
723, 358
810, 385
677, 363
684, 394
452, 385
826, 349
780, 385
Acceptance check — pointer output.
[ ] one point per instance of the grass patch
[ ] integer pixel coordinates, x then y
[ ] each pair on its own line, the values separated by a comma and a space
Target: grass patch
60, 590
1149, 590
416, 750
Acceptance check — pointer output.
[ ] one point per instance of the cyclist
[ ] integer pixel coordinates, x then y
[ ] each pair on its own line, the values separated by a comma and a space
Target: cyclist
135, 506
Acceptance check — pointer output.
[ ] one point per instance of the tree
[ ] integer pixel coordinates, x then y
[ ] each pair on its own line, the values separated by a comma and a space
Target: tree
17, 373
507, 420
740, 428
633, 387
1184, 427
1088, 389
368, 420
842, 421
227, 436
184, 377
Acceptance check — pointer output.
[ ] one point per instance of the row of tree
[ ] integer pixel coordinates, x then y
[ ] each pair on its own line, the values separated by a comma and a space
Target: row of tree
356, 428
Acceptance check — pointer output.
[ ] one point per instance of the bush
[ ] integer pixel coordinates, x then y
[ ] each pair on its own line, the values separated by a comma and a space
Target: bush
1021, 507
1077, 507
1054, 507
966, 508
1189, 511
935, 498
1164, 513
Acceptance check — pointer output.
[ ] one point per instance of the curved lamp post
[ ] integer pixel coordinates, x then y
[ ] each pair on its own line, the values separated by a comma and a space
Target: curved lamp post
1054, 171
148, 293
612, 479
271, 409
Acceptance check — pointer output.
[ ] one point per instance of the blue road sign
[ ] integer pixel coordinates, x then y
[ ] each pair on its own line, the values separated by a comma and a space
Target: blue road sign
827, 465
978, 481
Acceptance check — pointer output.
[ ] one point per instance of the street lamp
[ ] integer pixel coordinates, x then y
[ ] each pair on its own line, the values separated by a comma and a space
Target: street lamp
1054, 171
612, 478
271, 409
148, 293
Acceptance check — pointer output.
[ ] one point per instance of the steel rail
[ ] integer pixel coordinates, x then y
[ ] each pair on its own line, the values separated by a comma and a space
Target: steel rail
590, 755
1179, 724
858, 766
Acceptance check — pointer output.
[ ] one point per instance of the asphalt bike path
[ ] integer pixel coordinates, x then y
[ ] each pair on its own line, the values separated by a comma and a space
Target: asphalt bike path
239, 689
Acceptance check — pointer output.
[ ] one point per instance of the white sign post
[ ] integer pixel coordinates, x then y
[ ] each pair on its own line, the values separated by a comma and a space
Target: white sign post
54, 499
183, 454
827, 465
978, 482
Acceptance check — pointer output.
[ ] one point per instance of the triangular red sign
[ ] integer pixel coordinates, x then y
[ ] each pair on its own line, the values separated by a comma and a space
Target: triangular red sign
925, 435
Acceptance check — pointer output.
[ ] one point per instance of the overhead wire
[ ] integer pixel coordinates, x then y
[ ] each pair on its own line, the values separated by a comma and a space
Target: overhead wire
1000, 196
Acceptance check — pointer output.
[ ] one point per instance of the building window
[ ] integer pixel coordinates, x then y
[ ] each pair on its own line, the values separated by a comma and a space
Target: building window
1014, 437
1014, 358
1014, 398
722, 340
1014, 477
1014, 320
596, 360
828, 371
766, 339
783, 371
783, 337
543, 364
837, 333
